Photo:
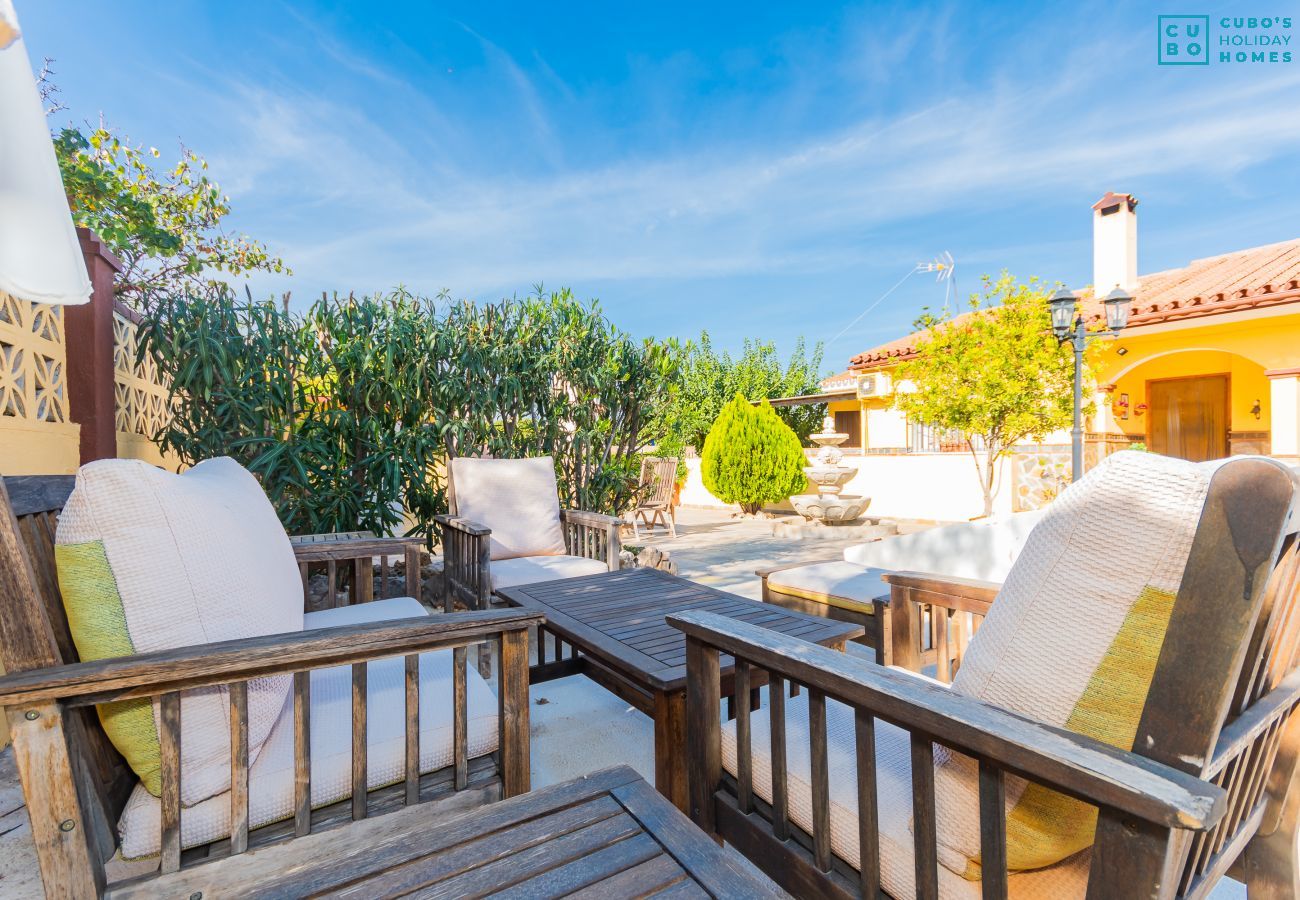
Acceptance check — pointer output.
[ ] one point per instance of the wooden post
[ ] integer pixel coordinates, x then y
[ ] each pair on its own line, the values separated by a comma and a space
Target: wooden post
89, 335
512, 695
703, 730
905, 625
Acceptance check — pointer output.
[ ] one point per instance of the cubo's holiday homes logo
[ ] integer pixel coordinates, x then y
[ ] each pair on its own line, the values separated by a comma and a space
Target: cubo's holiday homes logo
1187, 40
1183, 40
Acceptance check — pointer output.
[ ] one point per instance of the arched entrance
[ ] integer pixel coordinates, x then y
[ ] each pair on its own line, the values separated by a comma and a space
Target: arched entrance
1196, 404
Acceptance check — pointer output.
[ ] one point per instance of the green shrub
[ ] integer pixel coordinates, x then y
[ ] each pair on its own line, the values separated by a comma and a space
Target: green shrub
347, 411
751, 457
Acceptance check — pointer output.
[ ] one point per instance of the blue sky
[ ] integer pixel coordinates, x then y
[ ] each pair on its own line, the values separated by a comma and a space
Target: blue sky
756, 169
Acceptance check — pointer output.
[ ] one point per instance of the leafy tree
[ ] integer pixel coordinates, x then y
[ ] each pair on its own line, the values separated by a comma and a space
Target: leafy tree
996, 374
165, 227
710, 380
751, 457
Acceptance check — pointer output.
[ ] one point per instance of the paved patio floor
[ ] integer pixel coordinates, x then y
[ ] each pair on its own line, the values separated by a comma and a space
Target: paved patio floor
577, 726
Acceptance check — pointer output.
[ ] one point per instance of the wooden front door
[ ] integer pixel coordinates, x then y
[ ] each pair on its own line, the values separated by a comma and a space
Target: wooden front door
1188, 417
849, 421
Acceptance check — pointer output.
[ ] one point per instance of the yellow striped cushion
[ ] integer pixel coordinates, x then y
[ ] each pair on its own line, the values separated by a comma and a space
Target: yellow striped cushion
1073, 640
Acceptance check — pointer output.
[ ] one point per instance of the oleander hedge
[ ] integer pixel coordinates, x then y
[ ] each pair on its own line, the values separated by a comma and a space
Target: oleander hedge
347, 411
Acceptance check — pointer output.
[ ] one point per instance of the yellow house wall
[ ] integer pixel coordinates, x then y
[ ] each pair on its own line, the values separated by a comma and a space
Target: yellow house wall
1244, 347
1247, 384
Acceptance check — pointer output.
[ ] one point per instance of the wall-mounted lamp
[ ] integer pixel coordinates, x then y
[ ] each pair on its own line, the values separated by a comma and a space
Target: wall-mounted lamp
1121, 351
1140, 409
1255, 410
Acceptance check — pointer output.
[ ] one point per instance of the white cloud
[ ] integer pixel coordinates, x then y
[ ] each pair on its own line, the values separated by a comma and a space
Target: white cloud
350, 205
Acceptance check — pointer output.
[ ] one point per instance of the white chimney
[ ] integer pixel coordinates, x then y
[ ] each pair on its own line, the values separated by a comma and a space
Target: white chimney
1114, 244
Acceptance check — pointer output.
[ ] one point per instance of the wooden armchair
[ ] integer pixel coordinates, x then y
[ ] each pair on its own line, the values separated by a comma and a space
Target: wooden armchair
488, 496
76, 784
1209, 786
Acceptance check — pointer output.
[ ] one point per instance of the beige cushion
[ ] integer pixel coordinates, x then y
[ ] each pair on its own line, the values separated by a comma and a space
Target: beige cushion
516, 498
149, 560
271, 778
1073, 639
528, 569
837, 583
894, 799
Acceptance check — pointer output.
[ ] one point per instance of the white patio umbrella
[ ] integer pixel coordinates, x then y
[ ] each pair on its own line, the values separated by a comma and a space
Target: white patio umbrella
40, 258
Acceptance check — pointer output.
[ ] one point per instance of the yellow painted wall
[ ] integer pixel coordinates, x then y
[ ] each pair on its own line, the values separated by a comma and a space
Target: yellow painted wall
1247, 384
1244, 348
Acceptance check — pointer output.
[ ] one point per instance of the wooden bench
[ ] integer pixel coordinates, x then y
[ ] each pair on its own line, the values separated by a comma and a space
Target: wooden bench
76, 784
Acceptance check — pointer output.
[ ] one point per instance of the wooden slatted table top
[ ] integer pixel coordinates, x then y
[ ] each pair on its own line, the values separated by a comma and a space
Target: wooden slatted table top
604, 835
618, 617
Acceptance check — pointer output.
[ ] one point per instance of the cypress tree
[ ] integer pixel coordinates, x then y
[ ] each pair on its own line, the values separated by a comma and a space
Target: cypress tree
751, 456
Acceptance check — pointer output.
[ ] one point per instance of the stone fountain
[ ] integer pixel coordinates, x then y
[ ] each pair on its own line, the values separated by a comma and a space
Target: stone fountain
828, 476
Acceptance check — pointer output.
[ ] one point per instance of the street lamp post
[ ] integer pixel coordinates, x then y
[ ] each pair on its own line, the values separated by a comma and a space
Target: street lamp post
1068, 326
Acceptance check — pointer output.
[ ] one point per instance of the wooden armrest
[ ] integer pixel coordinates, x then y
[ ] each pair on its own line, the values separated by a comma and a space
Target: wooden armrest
983, 592
594, 519
1080, 766
203, 665
473, 529
348, 545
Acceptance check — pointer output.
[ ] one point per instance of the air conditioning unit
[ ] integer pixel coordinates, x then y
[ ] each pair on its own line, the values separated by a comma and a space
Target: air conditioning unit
873, 384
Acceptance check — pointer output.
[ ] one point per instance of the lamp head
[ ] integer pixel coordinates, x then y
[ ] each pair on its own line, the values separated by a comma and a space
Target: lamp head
1117, 304
1062, 305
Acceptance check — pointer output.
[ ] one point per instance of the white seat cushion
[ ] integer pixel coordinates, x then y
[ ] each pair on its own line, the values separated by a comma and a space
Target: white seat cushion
894, 798
150, 560
528, 569
271, 777
516, 498
843, 584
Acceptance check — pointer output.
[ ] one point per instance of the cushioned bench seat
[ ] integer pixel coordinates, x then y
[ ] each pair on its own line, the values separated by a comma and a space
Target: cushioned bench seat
838, 583
271, 775
894, 797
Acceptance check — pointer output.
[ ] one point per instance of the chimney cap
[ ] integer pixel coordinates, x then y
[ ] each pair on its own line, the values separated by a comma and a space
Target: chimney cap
1113, 199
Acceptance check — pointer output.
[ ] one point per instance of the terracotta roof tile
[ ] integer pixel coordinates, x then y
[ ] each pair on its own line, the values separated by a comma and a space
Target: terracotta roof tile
1243, 279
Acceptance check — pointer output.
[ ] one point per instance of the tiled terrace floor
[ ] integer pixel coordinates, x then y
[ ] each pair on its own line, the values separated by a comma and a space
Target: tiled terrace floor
577, 727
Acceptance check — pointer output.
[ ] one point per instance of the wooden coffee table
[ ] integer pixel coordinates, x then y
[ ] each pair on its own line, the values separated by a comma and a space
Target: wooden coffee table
613, 626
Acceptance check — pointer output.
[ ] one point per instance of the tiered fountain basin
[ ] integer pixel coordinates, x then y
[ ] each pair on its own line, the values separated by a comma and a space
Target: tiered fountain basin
828, 506
841, 509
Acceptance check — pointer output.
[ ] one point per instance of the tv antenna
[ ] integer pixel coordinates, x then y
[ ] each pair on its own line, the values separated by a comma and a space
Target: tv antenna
943, 268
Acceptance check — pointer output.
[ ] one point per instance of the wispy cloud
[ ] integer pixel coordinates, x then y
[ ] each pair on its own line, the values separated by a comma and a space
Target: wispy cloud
358, 196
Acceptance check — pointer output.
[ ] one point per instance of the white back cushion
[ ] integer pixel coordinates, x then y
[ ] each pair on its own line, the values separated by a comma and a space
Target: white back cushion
192, 559
516, 498
984, 550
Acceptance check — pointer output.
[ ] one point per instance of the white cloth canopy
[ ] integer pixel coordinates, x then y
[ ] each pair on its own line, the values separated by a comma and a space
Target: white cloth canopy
40, 258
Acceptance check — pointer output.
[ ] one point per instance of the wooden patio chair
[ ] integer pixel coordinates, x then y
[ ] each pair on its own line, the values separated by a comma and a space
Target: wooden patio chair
77, 785
658, 478
505, 527
856, 788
